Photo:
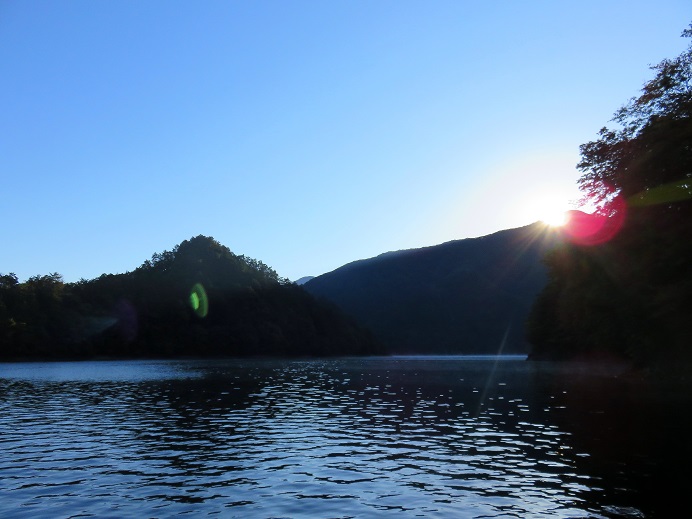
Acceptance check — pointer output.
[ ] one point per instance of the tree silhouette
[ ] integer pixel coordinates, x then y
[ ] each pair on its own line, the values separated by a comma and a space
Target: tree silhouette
632, 295
153, 311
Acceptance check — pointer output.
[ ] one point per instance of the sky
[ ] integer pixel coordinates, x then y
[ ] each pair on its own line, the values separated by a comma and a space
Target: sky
305, 134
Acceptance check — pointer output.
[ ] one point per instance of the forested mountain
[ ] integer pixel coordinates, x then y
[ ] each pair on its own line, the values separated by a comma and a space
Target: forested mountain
624, 287
199, 299
464, 296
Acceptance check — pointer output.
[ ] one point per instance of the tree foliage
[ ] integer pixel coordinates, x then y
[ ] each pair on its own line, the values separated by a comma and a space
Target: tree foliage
631, 296
149, 312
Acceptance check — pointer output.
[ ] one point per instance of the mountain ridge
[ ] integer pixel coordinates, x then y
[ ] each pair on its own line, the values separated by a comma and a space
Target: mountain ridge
471, 295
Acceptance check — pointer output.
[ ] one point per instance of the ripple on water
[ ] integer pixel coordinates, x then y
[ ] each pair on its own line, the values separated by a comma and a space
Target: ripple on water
340, 438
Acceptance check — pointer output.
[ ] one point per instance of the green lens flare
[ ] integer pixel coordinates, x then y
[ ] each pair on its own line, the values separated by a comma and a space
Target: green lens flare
199, 301
663, 194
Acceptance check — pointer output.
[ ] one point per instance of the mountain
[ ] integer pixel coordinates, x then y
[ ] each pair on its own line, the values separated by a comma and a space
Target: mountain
197, 300
468, 296
303, 280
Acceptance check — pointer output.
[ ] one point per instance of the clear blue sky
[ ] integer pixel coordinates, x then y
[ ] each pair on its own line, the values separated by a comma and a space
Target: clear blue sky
306, 134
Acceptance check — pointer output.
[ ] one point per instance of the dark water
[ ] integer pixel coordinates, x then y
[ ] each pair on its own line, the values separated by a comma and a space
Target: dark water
394, 437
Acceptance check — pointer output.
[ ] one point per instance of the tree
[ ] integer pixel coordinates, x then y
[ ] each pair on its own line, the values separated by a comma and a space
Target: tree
651, 146
154, 311
631, 295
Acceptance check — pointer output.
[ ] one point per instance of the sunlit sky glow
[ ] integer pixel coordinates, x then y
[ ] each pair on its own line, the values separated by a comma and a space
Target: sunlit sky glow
303, 134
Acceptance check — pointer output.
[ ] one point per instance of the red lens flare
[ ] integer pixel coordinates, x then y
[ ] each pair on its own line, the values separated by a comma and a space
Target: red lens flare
595, 229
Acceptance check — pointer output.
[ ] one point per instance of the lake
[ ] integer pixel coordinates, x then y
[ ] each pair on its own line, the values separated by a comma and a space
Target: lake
469, 437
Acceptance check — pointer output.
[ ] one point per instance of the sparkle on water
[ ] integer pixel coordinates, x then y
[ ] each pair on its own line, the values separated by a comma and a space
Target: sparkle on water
375, 437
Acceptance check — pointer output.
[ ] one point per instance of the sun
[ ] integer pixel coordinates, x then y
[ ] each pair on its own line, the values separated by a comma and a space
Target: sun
548, 208
554, 217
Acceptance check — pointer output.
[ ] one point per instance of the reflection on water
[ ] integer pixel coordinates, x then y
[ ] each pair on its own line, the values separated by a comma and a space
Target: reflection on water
403, 436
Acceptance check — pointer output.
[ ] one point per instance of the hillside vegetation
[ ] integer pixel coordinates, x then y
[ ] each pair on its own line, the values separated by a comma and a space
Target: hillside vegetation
462, 297
198, 300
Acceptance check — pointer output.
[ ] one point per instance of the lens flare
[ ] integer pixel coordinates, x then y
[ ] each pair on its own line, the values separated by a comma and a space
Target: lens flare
199, 301
595, 229
663, 194
127, 320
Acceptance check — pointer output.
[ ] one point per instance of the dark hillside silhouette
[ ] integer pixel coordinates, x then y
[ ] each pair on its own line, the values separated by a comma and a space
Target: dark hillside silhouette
197, 300
464, 296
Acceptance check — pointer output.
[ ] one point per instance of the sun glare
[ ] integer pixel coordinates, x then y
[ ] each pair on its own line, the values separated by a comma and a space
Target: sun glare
555, 218
551, 209
525, 189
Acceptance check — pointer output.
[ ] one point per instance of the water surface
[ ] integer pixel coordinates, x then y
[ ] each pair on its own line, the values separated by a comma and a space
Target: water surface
374, 437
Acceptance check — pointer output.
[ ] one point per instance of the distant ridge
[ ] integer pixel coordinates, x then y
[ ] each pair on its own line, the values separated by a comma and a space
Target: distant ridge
460, 297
